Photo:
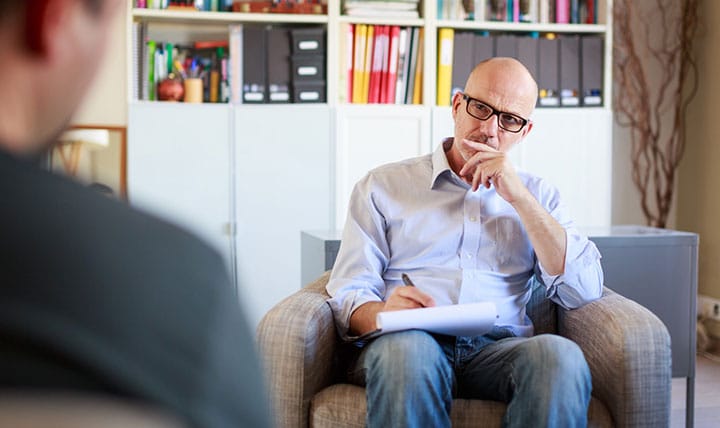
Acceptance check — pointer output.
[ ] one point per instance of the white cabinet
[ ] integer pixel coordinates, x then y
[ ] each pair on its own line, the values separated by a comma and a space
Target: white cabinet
248, 179
178, 166
282, 186
369, 136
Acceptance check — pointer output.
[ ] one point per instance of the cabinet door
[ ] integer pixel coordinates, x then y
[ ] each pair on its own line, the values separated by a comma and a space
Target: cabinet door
178, 166
371, 135
282, 186
572, 149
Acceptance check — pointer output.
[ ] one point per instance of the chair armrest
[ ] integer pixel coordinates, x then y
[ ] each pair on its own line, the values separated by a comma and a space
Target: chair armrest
628, 350
297, 340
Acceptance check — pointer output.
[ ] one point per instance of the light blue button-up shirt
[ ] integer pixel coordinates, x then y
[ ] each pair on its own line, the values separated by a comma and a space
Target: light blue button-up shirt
418, 217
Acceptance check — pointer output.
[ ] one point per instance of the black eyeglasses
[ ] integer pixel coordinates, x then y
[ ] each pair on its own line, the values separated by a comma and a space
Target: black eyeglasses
507, 121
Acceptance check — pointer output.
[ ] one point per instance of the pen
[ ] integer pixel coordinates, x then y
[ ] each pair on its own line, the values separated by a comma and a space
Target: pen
407, 281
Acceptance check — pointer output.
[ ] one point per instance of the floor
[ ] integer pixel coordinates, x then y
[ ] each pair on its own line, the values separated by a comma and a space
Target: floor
707, 395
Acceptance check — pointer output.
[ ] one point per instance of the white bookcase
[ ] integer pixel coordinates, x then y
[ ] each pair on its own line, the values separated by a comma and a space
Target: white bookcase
249, 178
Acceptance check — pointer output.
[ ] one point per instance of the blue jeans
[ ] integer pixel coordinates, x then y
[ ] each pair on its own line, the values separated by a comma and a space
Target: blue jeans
411, 378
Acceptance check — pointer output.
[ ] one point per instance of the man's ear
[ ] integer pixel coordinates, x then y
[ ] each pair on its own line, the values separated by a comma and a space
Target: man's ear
43, 18
456, 102
527, 129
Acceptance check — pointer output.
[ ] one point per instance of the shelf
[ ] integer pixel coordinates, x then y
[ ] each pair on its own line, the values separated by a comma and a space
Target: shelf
179, 16
522, 27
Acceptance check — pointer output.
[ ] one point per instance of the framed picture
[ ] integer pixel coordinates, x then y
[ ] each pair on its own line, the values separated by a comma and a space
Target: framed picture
95, 155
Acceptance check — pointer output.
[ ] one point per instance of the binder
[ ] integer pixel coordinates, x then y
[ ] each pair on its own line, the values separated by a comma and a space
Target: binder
376, 66
385, 45
445, 65
278, 60
367, 63
359, 61
548, 73
592, 70
570, 70
527, 50
412, 55
254, 64
418, 86
403, 60
463, 61
505, 46
392, 77
236, 63
483, 47
345, 78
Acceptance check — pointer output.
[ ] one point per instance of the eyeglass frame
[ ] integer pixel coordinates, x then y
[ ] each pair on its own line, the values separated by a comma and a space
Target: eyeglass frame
467, 98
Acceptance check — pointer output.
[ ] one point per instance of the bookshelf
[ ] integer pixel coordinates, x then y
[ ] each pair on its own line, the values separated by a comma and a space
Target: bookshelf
220, 154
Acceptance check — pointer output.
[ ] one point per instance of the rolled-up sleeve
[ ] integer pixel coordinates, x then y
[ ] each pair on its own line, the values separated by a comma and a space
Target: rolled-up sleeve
582, 279
363, 257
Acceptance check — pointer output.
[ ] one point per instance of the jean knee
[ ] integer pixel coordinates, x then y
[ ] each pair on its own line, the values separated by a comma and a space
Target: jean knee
558, 356
407, 355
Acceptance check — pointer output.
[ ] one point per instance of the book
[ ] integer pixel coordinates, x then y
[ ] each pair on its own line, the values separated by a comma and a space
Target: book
358, 63
393, 63
376, 66
385, 46
367, 64
236, 63
418, 87
345, 84
468, 319
411, 63
445, 65
401, 80
562, 11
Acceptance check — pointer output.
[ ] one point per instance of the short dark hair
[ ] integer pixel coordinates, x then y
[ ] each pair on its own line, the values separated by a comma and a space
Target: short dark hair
7, 6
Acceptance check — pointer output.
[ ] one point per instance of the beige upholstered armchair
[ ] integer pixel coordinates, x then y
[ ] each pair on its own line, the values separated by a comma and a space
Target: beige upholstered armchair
626, 346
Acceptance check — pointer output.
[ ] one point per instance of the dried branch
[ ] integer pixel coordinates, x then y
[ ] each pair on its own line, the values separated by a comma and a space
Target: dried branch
656, 76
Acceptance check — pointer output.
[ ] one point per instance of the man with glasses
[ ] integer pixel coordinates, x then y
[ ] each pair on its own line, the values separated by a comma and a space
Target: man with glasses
466, 227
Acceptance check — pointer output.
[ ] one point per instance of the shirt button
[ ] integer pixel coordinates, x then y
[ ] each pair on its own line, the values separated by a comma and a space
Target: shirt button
473, 219
469, 256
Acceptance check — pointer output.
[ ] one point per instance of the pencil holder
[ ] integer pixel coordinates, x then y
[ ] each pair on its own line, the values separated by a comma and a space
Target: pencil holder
193, 90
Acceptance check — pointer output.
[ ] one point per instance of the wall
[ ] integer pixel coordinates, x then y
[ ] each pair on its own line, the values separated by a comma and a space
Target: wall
106, 101
699, 198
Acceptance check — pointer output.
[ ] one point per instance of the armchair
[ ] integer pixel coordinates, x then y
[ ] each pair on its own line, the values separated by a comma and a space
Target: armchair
626, 347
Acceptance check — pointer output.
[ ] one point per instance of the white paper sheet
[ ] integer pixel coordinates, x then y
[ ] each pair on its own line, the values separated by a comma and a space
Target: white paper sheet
470, 319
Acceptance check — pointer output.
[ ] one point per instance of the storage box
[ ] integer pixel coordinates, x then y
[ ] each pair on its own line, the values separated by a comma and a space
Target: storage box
309, 92
308, 68
308, 40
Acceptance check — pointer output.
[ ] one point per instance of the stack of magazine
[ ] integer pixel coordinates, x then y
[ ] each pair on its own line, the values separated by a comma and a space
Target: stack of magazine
382, 8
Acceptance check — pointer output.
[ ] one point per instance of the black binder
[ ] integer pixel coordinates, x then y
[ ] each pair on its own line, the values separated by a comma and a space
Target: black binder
505, 46
483, 47
570, 70
527, 51
463, 61
254, 64
592, 70
548, 76
278, 63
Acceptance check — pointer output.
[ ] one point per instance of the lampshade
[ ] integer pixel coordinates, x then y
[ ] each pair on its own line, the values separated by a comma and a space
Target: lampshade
90, 138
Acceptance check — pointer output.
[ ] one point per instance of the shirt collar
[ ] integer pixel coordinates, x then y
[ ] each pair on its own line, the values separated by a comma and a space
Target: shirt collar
440, 163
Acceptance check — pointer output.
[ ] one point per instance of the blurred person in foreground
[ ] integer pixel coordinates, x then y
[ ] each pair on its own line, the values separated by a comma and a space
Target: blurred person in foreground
96, 297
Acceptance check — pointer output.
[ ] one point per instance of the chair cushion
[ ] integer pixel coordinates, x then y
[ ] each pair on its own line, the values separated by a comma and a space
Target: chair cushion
343, 405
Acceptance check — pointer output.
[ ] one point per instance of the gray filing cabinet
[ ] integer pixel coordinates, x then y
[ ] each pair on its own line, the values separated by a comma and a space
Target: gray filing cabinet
655, 267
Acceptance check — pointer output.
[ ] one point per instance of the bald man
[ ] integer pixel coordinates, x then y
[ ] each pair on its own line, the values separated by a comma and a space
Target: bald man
466, 226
